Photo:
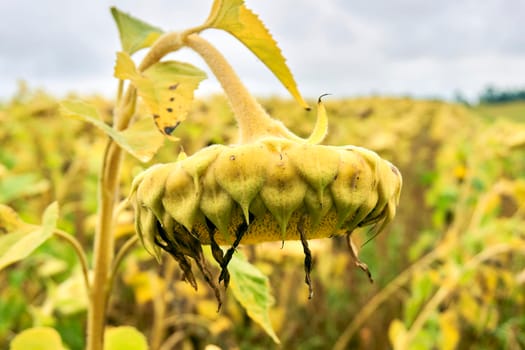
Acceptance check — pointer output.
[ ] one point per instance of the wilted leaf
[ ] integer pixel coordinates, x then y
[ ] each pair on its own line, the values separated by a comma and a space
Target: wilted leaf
146, 285
134, 33
468, 307
143, 137
70, 296
125, 338
50, 265
141, 140
166, 88
321, 125
235, 18
16, 246
449, 329
38, 338
19, 185
251, 288
9, 220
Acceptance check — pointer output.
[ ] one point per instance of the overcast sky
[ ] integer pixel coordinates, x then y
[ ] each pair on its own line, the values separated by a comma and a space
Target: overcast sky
344, 47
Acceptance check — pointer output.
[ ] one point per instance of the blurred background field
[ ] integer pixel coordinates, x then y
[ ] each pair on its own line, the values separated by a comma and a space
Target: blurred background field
449, 271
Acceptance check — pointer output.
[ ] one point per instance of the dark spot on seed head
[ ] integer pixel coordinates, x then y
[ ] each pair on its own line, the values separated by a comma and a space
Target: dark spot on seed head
169, 129
353, 182
232, 157
169, 110
156, 116
394, 170
172, 99
174, 86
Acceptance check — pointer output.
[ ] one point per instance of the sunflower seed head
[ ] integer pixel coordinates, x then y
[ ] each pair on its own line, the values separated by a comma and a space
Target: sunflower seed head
268, 185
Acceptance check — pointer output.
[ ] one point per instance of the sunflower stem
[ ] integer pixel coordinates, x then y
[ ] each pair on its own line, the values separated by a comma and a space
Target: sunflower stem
252, 119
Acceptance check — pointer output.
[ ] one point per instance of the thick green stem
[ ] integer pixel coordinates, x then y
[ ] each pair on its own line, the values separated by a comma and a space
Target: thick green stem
253, 121
165, 44
104, 235
104, 242
108, 197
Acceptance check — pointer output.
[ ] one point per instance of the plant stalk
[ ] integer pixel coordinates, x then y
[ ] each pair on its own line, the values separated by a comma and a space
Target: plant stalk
158, 329
108, 197
79, 251
104, 242
121, 254
252, 119
253, 122
104, 235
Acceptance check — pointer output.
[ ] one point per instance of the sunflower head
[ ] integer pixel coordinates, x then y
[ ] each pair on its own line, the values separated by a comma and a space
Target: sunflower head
273, 189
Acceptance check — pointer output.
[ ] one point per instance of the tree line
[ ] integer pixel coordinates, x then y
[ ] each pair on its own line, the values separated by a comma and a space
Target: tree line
492, 94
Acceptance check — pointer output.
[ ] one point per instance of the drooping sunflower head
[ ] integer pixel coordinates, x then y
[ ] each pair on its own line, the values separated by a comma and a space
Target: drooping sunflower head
269, 190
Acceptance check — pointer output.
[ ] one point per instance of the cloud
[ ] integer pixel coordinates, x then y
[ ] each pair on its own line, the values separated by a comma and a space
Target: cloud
445, 29
423, 48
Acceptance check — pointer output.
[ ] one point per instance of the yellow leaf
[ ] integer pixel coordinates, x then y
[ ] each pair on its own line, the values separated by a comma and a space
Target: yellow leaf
124, 230
70, 296
17, 245
9, 220
208, 309
146, 285
460, 172
468, 307
449, 330
278, 318
397, 334
125, 338
166, 88
220, 325
37, 338
235, 18
125, 67
143, 138
140, 140
321, 125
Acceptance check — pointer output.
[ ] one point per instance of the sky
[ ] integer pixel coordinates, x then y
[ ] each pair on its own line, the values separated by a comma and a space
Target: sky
420, 48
